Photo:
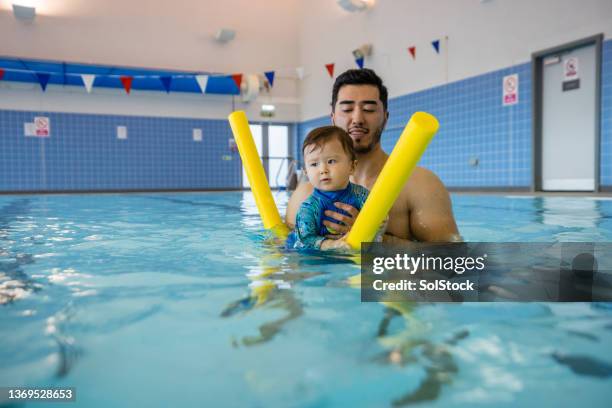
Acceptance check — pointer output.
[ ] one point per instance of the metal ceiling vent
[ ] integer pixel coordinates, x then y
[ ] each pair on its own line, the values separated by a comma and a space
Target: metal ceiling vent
354, 5
225, 35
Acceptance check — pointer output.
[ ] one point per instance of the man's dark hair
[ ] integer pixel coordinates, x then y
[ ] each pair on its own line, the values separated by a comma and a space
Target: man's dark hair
324, 134
359, 77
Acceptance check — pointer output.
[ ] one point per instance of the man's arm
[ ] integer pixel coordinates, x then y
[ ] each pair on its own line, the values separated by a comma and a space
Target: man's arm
431, 213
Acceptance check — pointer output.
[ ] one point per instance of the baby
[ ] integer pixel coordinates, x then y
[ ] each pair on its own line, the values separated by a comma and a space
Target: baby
329, 160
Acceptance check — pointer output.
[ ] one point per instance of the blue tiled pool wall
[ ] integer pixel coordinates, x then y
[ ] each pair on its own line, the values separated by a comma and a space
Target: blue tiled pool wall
475, 126
84, 154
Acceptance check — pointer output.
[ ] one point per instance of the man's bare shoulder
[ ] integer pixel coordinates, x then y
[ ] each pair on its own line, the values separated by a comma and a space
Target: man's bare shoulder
421, 185
430, 207
425, 180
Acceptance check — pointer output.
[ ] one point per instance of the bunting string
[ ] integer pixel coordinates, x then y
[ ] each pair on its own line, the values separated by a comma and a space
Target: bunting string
202, 80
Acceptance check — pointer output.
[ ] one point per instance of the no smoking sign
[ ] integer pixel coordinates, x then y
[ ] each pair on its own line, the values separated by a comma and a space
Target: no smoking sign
510, 86
42, 126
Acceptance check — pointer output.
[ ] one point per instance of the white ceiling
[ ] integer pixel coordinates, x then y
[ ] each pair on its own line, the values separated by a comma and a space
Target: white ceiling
157, 33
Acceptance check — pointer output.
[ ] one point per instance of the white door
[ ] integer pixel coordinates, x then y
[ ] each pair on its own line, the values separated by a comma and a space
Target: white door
278, 151
569, 120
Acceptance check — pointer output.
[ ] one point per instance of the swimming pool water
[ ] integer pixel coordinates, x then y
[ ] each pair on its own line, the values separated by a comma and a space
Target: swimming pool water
179, 300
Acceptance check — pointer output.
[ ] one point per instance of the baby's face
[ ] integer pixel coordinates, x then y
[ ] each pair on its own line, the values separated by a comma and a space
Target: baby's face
328, 167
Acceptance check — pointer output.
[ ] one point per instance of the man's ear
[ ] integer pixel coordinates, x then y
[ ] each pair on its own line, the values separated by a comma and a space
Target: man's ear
331, 116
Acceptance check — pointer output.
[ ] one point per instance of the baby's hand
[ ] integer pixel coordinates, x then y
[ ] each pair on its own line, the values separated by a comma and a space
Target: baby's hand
335, 244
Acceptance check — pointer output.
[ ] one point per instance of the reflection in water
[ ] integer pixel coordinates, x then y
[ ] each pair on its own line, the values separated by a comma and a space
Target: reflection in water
270, 285
422, 352
270, 288
411, 346
584, 365
579, 219
569, 213
14, 282
67, 351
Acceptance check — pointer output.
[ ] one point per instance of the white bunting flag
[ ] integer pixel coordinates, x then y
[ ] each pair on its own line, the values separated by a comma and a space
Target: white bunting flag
202, 81
300, 72
88, 80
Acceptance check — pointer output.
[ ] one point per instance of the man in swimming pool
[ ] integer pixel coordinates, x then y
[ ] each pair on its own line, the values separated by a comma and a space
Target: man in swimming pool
329, 159
422, 212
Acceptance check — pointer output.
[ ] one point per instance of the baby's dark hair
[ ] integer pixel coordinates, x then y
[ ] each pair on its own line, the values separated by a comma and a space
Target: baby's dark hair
324, 134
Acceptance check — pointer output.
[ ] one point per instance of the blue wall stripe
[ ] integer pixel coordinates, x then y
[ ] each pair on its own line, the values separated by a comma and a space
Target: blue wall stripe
145, 79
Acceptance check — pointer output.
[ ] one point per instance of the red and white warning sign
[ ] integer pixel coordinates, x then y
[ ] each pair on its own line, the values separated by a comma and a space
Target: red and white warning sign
42, 126
570, 69
510, 86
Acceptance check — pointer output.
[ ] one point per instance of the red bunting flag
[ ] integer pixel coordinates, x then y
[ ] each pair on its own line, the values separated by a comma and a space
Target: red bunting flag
237, 79
412, 51
1, 73
127, 83
330, 69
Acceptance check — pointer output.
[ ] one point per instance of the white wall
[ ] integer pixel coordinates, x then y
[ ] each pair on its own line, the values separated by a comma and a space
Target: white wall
156, 33
281, 35
174, 35
482, 37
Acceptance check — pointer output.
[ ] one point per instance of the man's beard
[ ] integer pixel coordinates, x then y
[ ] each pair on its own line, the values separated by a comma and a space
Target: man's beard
367, 149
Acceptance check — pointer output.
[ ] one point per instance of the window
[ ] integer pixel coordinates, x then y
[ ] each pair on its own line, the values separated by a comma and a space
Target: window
272, 142
278, 155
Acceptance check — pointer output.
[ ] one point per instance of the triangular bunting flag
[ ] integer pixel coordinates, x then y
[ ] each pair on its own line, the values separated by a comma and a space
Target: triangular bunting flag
299, 71
202, 82
270, 77
412, 51
1, 73
127, 83
436, 45
359, 62
166, 81
330, 69
88, 81
237, 79
43, 80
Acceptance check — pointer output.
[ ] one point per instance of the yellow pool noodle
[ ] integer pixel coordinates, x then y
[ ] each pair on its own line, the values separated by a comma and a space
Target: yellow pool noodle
413, 141
256, 174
